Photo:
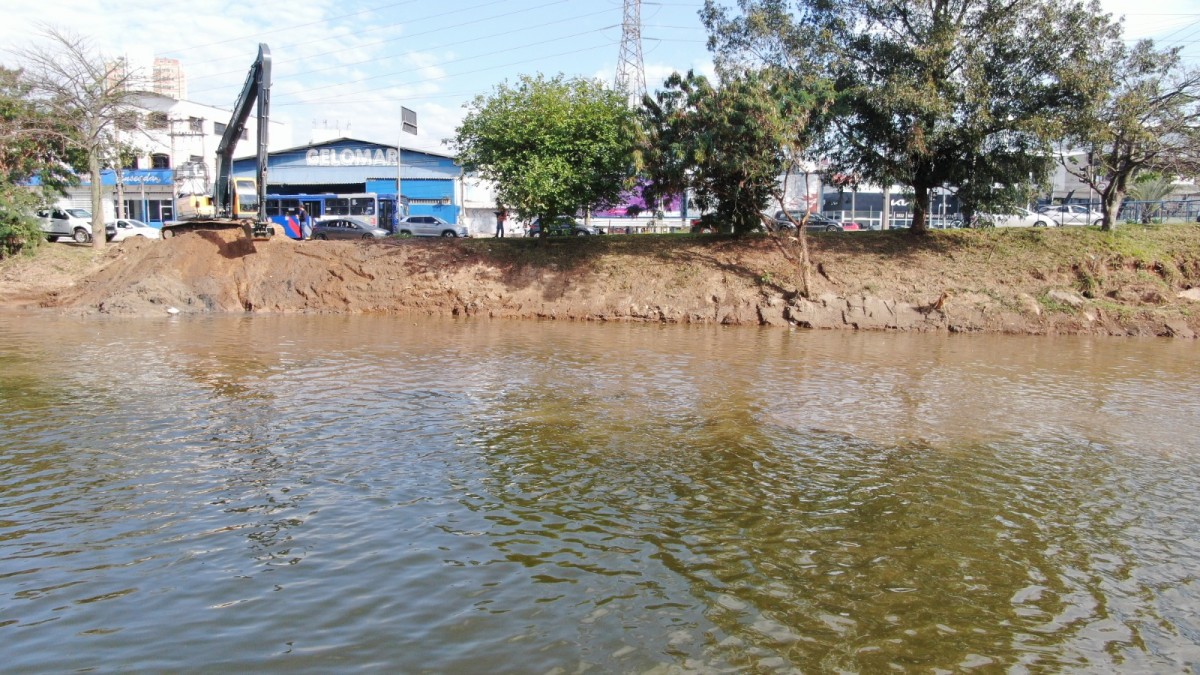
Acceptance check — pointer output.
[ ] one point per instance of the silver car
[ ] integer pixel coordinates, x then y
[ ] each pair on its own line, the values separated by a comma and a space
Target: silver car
429, 226
345, 227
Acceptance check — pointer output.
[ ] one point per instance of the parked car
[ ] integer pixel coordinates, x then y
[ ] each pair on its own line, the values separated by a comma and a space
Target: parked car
128, 228
563, 226
1071, 214
816, 222
345, 227
429, 226
74, 223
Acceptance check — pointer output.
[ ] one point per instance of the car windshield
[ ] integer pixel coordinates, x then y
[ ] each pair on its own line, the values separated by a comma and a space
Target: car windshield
79, 213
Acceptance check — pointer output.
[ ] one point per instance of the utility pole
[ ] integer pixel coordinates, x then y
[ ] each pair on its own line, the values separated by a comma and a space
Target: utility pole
631, 71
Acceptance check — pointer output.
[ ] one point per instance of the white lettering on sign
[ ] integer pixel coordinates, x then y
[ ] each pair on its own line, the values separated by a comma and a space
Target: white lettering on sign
350, 157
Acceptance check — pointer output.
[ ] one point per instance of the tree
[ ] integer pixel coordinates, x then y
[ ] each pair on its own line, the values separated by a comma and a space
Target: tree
730, 144
967, 94
86, 96
553, 146
30, 147
1148, 119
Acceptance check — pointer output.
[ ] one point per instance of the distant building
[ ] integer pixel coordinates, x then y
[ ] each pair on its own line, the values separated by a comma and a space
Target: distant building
166, 133
169, 79
430, 182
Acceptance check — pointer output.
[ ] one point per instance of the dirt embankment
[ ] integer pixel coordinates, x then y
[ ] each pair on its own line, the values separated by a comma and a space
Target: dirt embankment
1139, 281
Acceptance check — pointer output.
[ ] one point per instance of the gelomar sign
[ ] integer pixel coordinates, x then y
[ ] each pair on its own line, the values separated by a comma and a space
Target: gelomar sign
350, 157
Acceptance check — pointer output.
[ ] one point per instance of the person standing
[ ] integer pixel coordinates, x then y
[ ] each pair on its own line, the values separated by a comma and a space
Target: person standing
302, 218
501, 216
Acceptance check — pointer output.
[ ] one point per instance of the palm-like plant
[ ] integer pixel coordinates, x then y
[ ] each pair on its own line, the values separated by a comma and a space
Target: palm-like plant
1153, 188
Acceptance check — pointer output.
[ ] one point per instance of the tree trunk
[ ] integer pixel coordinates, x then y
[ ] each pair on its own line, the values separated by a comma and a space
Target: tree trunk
920, 209
1111, 199
805, 265
97, 201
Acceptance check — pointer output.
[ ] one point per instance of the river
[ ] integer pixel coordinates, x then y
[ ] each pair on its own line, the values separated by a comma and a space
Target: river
399, 494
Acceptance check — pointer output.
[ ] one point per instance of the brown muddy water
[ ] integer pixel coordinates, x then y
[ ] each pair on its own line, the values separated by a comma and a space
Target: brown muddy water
384, 494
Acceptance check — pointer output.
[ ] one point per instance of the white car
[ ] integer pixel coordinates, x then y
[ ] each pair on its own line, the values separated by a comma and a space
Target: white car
1018, 218
1071, 214
128, 228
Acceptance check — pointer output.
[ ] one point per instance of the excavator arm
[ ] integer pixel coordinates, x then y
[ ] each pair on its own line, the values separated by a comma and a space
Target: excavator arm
228, 200
235, 202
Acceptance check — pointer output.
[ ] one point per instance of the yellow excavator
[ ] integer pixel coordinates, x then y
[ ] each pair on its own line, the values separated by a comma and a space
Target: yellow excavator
231, 202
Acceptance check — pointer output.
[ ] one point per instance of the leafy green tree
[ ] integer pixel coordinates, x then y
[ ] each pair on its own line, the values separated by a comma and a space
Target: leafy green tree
731, 144
552, 146
30, 147
967, 94
1148, 119
87, 96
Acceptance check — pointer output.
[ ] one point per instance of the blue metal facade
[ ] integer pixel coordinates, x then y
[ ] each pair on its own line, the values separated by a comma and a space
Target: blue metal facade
428, 180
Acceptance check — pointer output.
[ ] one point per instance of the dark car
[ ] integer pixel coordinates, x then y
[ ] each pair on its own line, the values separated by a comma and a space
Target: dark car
563, 226
343, 227
816, 222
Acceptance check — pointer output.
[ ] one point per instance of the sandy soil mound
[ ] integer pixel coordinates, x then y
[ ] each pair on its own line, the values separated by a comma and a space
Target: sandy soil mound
1017, 282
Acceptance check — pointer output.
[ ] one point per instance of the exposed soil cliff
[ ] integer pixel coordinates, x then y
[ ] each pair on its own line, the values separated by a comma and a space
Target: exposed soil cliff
1140, 281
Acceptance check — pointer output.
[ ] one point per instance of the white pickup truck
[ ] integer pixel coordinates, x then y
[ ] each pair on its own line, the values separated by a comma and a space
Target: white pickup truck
73, 223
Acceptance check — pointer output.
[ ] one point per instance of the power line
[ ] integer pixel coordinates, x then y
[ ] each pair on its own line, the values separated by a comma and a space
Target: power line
339, 97
428, 47
406, 36
292, 27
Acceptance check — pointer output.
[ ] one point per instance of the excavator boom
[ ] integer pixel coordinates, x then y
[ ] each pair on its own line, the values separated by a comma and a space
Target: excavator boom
236, 202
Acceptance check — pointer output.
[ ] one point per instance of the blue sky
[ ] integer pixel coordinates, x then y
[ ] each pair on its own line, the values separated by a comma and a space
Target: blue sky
346, 66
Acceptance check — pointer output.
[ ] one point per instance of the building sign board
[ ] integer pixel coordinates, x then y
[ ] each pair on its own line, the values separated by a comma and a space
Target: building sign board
350, 157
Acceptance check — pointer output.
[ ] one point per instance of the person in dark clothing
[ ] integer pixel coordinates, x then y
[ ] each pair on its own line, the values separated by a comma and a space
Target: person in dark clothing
302, 218
501, 216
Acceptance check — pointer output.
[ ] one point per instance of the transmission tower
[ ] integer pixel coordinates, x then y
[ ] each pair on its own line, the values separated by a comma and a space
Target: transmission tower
631, 72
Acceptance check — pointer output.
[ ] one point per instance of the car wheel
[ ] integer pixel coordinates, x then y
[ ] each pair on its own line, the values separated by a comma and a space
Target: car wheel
368, 236
580, 233
1098, 223
405, 233
82, 236
51, 237
831, 228
322, 237
448, 233
1040, 223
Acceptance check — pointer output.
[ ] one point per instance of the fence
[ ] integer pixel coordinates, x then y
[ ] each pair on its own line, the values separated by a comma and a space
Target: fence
1165, 211
873, 220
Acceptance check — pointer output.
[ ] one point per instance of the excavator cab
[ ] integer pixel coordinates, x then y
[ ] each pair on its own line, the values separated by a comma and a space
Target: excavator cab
245, 199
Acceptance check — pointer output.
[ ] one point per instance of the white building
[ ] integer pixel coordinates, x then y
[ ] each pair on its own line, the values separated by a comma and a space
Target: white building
166, 133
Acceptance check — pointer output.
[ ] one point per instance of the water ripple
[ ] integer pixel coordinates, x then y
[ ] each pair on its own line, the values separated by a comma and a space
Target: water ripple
375, 493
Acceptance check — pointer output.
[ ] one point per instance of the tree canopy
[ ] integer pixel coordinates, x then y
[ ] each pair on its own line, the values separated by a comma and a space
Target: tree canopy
967, 94
553, 146
87, 95
31, 146
729, 143
1148, 119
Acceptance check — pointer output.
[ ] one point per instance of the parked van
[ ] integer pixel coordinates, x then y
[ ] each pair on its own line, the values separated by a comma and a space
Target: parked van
66, 222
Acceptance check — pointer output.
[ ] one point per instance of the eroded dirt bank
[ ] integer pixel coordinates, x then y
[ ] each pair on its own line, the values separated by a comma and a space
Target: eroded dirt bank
1027, 281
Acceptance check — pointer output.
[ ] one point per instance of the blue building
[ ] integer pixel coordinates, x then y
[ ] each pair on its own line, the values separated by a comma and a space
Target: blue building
430, 181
